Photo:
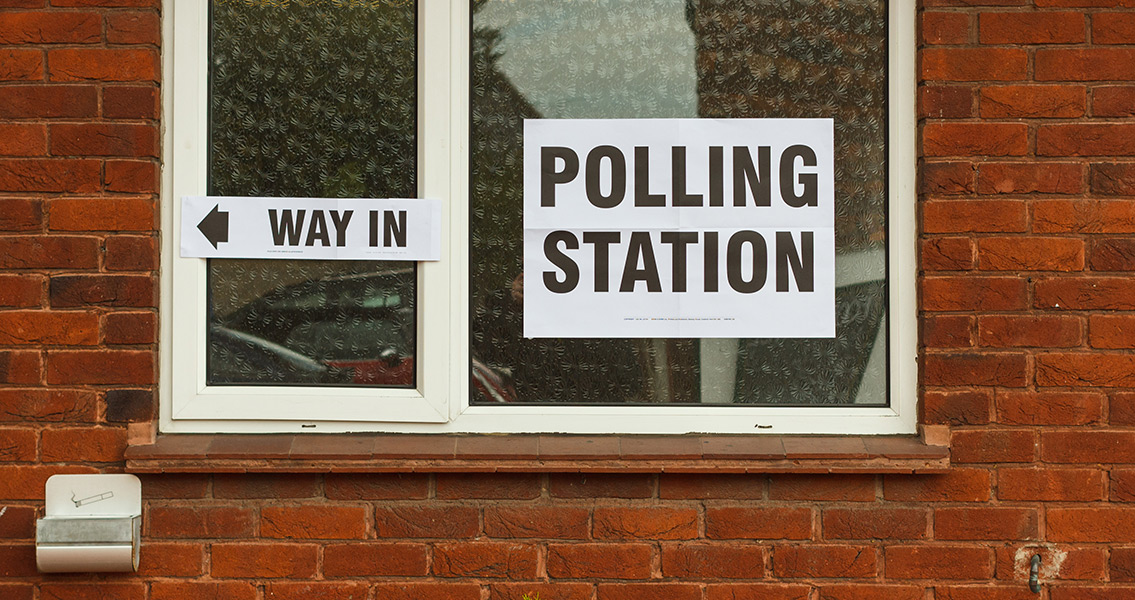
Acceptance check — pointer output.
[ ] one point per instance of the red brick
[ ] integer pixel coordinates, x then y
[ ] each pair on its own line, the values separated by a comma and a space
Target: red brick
129, 102
394, 486
986, 523
974, 216
1085, 293
131, 367
84, 444
992, 445
173, 559
767, 523
109, 3
17, 445
947, 331
1121, 409
17, 560
1030, 254
1085, 216
264, 560
1086, 139
427, 591
130, 328
55, 101
50, 28
983, 592
138, 291
1088, 446
1113, 254
92, 590
870, 591
948, 178
947, 254
416, 521
958, 485
101, 214
1029, 178
375, 559
1122, 564
599, 561
974, 64
945, 102
1110, 524
21, 214
1085, 64
975, 139
313, 522
601, 485
973, 293
966, 407
534, 590
824, 561
130, 406
1049, 408
22, 140
847, 488
21, 65
1057, 562
316, 590
1051, 484
20, 290
520, 486
1113, 28
200, 522
131, 176
25, 482
939, 562
49, 175
265, 485
703, 561
703, 486
485, 559
1113, 101
645, 523
48, 327
1032, 28
16, 591
1033, 101
1029, 331
1008, 370
945, 27
103, 64
48, 252
874, 523
98, 139
648, 591
20, 366
1078, 370
757, 591
47, 405
133, 28
537, 522
202, 590
18, 522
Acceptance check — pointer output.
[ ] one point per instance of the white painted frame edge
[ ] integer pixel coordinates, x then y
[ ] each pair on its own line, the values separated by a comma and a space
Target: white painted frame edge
440, 403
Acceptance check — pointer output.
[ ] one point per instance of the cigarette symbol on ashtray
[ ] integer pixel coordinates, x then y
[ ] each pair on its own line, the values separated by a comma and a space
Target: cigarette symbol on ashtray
91, 499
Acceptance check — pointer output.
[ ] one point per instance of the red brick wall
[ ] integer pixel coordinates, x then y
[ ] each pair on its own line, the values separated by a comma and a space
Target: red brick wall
1027, 210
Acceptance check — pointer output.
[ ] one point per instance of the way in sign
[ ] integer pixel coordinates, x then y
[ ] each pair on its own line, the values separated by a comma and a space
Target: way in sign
288, 227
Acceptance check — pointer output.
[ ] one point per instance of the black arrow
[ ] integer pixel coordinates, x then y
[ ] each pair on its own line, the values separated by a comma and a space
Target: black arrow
215, 226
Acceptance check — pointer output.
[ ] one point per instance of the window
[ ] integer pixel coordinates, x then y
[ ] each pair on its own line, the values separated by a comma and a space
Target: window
395, 98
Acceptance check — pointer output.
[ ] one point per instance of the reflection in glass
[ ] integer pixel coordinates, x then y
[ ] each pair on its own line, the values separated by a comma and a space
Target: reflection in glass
312, 98
681, 58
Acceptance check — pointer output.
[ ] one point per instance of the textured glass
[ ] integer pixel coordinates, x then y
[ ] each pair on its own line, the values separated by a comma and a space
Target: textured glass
681, 58
312, 98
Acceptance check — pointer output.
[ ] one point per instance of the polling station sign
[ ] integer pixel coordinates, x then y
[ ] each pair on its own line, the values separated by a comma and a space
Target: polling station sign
311, 228
717, 228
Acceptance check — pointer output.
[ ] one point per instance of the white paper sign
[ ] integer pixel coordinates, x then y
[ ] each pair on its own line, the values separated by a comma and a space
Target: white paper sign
311, 228
679, 228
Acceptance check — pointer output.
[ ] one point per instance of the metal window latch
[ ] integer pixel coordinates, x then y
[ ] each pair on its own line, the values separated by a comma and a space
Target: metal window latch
1034, 574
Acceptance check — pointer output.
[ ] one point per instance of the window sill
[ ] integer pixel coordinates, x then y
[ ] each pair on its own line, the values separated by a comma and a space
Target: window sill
375, 453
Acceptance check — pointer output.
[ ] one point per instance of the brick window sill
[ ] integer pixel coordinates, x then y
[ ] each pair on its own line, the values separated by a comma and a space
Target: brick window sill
375, 453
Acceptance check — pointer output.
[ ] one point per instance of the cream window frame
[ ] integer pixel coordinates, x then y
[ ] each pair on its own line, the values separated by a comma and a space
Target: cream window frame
440, 401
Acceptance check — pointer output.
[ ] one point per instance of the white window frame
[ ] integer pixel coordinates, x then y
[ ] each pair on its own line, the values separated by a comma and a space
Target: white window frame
440, 401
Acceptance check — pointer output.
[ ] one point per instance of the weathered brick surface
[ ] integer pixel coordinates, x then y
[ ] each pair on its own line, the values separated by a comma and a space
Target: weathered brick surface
1026, 259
